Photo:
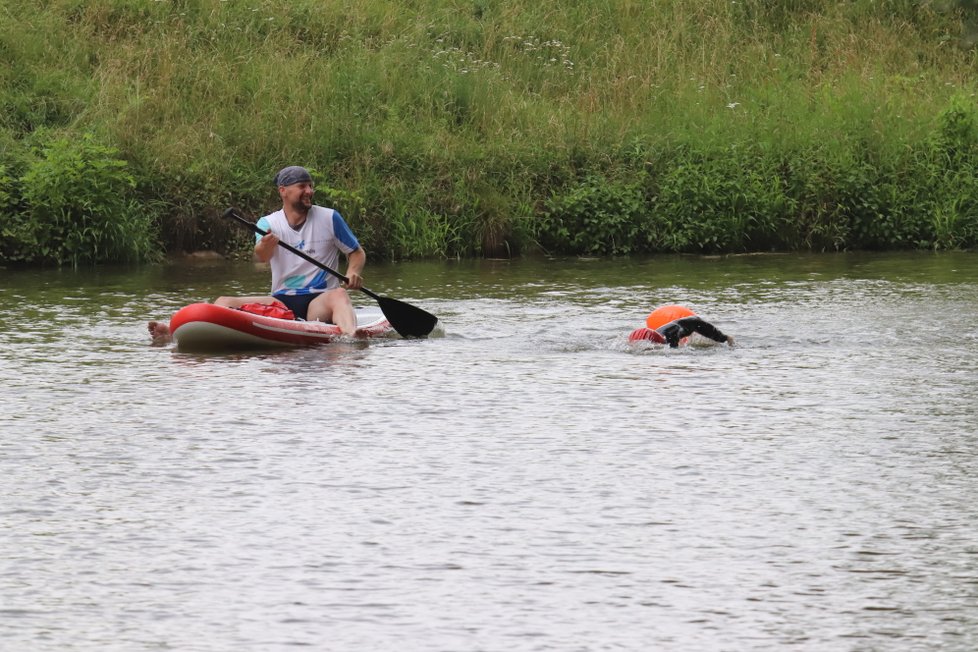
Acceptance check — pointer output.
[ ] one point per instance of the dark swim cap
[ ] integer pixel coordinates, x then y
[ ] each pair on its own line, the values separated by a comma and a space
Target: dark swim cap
292, 174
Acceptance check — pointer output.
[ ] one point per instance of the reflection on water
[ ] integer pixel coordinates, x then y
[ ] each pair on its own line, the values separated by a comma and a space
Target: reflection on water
527, 482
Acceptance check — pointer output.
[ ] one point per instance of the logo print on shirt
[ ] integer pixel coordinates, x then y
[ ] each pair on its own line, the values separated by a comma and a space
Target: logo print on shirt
301, 245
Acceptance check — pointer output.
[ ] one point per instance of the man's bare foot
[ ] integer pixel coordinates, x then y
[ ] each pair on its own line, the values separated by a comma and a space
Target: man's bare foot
160, 332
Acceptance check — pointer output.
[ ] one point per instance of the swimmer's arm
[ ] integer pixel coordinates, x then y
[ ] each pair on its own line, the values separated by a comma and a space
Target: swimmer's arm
704, 328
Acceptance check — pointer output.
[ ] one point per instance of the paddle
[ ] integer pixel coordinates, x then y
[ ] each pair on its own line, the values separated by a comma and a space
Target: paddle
407, 320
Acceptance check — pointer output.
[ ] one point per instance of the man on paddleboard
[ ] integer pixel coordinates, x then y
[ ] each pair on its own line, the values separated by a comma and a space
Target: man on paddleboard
319, 232
671, 324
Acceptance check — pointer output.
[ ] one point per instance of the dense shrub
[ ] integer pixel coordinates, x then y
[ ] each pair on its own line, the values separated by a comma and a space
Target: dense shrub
77, 206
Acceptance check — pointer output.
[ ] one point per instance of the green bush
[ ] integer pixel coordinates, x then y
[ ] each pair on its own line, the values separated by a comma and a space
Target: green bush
79, 207
596, 216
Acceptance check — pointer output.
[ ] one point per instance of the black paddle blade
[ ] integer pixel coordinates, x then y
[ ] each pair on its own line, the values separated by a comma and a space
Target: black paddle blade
407, 320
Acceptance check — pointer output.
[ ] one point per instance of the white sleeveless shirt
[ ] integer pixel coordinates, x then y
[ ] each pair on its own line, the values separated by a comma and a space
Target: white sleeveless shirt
323, 236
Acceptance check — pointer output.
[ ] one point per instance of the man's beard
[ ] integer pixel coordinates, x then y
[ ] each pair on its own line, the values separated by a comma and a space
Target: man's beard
300, 206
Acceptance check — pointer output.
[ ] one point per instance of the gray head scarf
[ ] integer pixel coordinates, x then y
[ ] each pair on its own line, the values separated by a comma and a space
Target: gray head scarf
292, 174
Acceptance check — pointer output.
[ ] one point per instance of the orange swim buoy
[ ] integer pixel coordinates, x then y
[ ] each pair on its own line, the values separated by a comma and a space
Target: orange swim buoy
665, 314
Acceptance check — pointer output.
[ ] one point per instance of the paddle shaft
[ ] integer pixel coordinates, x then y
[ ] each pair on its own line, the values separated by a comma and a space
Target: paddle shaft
257, 229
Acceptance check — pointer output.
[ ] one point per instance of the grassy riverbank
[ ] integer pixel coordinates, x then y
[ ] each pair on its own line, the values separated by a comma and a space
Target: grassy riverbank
449, 128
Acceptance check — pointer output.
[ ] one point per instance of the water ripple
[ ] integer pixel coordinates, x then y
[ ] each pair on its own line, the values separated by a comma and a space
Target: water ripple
527, 482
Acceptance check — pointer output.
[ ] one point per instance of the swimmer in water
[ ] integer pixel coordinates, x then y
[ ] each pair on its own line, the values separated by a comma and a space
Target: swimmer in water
671, 324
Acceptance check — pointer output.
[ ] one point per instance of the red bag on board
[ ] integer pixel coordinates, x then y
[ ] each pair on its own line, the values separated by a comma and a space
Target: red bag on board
277, 310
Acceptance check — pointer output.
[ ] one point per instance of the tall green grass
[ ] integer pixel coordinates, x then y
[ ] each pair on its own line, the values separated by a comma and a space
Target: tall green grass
449, 128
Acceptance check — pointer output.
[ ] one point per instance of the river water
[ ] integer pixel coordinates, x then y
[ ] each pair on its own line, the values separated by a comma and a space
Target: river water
527, 481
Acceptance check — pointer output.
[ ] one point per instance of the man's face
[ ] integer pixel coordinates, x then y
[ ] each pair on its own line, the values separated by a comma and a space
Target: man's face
298, 195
